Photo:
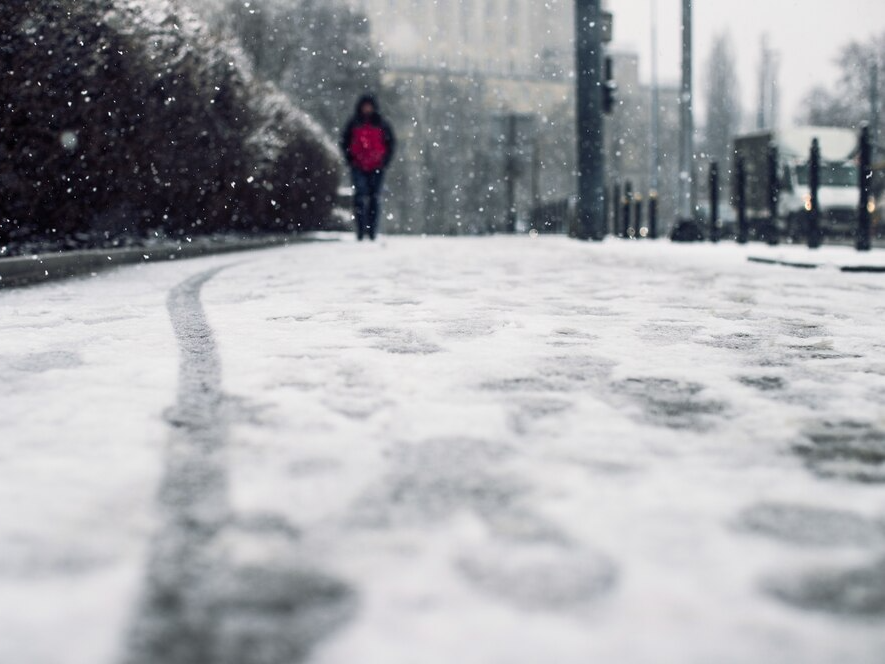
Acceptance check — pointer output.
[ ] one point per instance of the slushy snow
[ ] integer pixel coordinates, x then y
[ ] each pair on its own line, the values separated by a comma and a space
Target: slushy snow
489, 450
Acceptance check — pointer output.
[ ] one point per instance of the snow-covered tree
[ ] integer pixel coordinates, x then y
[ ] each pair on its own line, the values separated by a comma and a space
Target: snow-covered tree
847, 104
125, 116
319, 52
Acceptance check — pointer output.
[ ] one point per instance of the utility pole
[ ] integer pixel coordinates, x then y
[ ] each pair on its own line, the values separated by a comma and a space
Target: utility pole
655, 158
874, 107
769, 96
762, 110
590, 25
775, 102
686, 151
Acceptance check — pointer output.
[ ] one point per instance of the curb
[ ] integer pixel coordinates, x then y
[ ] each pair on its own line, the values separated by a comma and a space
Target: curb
874, 269
28, 270
773, 261
852, 269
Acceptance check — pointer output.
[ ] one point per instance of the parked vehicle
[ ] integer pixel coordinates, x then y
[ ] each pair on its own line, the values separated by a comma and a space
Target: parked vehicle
839, 192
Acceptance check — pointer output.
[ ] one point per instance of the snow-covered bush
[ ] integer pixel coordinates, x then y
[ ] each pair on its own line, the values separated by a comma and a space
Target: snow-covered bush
120, 117
319, 52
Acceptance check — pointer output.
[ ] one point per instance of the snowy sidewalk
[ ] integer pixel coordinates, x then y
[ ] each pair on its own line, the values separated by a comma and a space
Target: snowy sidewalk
495, 450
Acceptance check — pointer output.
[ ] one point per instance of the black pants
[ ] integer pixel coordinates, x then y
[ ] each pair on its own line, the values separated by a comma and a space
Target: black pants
367, 190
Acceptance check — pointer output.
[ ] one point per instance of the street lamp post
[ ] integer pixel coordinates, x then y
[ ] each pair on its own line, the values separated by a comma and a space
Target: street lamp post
655, 158
686, 107
688, 228
874, 104
589, 61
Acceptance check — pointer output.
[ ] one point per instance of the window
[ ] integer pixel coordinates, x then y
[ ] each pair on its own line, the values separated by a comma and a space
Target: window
831, 175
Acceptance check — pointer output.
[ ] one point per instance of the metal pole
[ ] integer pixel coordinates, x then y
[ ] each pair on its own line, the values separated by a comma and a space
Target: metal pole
740, 171
591, 158
874, 103
655, 103
814, 238
637, 217
771, 233
686, 151
625, 210
615, 207
606, 205
764, 88
511, 173
653, 215
866, 190
714, 202
536, 171
536, 182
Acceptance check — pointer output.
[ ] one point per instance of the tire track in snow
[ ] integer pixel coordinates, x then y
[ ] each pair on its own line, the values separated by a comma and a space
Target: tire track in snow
198, 605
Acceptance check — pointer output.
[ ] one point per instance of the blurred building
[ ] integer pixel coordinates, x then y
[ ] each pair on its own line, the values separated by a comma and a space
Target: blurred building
502, 38
463, 69
629, 138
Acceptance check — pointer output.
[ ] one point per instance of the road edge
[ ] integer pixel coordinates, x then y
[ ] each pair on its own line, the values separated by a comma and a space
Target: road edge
19, 271
850, 269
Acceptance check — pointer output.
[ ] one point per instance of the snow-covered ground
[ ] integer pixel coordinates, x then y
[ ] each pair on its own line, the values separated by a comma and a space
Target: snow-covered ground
502, 450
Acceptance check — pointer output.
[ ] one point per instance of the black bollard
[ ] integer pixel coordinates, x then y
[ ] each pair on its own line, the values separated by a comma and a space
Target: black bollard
615, 208
653, 215
864, 211
740, 171
638, 230
771, 234
625, 211
714, 202
813, 204
606, 206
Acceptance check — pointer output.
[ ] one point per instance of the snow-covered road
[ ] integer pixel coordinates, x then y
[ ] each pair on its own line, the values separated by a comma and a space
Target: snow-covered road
502, 450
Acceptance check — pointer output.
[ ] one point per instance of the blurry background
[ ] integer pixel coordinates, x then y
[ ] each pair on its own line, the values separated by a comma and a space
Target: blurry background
480, 92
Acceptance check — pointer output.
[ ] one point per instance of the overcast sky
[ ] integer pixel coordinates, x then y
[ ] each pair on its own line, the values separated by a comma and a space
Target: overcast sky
807, 33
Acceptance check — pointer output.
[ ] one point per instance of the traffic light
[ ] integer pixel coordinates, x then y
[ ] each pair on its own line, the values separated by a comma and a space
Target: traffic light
609, 88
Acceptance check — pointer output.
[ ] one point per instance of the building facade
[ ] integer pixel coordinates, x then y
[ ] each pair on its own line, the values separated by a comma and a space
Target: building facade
462, 73
629, 145
505, 38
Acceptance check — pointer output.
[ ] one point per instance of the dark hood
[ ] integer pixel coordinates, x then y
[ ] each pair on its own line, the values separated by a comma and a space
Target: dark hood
371, 99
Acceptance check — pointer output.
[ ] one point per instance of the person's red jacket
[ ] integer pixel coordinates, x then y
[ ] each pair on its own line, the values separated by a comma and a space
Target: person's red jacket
368, 143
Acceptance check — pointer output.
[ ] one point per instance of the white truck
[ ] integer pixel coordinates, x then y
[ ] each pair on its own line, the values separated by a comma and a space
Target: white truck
839, 192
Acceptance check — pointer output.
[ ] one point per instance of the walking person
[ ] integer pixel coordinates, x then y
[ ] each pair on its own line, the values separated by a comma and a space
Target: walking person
368, 143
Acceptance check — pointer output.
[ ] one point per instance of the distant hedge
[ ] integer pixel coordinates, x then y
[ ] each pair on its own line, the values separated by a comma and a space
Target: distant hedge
122, 118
